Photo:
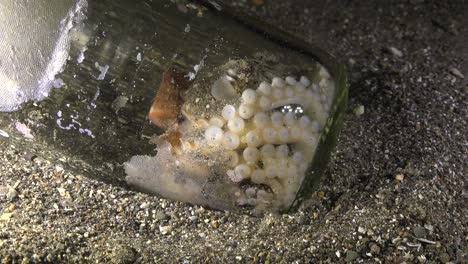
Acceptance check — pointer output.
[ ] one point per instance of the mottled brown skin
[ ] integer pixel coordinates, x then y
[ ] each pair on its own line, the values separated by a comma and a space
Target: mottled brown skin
173, 138
168, 102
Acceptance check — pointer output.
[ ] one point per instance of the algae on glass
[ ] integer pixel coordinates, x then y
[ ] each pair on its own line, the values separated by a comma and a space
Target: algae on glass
187, 103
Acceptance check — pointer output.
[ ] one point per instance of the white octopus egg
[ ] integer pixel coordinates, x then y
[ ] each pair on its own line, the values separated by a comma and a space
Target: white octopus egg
214, 135
242, 171
268, 151
278, 93
270, 135
231, 141
292, 171
289, 119
236, 124
291, 80
261, 120
264, 102
246, 111
297, 157
283, 135
251, 154
309, 95
228, 112
252, 138
315, 126
304, 81
250, 192
258, 176
300, 88
277, 119
295, 133
270, 171
249, 96
264, 88
277, 82
217, 121
281, 168
304, 121
282, 151
289, 92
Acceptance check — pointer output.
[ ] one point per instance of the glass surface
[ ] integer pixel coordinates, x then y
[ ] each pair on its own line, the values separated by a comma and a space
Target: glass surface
34, 41
97, 122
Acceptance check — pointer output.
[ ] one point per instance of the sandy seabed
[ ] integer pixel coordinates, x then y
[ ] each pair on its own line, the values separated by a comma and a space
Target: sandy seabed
395, 191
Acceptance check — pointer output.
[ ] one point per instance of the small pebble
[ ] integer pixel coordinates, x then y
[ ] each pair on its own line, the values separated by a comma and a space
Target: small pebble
165, 229
6, 216
429, 227
455, 72
395, 52
4, 134
419, 232
351, 255
62, 191
375, 248
161, 216
444, 258
362, 230
359, 110
315, 216
399, 177
11, 194
214, 224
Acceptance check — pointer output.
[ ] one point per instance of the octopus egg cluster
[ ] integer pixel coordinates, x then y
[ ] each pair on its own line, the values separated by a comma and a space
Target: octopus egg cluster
269, 138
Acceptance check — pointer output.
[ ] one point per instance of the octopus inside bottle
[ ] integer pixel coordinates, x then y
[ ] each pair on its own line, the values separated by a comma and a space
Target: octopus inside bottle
240, 136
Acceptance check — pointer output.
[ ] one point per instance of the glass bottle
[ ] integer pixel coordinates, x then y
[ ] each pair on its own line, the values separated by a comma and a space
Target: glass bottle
183, 101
